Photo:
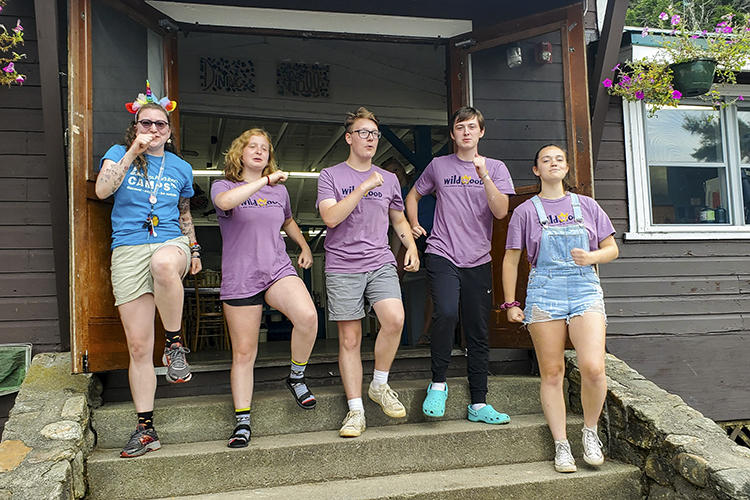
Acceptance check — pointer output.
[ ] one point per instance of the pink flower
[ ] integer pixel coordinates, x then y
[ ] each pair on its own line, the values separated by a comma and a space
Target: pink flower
18, 27
607, 82
10, 68
617, 66
675, 20
740, 98
704, 32
20, 80
676, 94
644, 32
663, 16
639, 94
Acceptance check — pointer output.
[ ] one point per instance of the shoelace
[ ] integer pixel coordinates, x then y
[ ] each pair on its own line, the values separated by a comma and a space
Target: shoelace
563, 452
390, 395
177, 357
593, 443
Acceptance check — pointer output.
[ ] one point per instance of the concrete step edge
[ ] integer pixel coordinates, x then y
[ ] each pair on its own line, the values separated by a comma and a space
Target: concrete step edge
497, 481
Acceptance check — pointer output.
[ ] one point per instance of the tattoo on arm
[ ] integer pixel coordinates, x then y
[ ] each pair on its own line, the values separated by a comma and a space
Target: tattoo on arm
114, 176
186, 220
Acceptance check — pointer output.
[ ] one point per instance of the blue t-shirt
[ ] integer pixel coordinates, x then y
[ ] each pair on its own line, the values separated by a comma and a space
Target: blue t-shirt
131, 199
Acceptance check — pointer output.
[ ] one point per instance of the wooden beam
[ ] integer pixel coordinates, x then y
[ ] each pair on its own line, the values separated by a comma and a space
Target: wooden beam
606, 58
49, 73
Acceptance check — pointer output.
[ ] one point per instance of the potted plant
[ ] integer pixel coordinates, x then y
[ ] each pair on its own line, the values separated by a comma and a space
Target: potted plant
690, 61
8, 40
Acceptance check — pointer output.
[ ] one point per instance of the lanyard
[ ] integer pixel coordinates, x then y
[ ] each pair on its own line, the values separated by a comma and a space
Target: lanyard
152, 220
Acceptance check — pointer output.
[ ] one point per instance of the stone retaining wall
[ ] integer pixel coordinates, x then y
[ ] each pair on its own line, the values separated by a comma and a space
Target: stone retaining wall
48, 435
684, 455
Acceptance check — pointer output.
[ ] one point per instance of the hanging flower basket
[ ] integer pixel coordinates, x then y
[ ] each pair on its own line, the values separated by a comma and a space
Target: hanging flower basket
694, 78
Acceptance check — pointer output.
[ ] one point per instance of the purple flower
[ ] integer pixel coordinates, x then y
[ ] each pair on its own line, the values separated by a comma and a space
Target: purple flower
20, 80
675, 20
18, 27
607, 82
721, 24
727, 29
617, 66
10, 68
1, 8
694, 37
740, 98
644, 32
704, 32
663, 16
676, 94
625, 79
639, 94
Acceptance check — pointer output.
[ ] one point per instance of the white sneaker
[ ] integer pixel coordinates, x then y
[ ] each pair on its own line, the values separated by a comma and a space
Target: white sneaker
592, 447
564, 461
354, 424
388, 400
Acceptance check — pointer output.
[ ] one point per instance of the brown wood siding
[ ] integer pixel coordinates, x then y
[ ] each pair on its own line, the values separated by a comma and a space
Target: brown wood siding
679, 311
28, 298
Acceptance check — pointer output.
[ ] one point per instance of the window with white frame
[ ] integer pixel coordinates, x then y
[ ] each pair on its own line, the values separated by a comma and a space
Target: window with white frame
688, 172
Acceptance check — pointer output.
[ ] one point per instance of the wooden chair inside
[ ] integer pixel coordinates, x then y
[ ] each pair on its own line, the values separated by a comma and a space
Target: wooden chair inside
210, 325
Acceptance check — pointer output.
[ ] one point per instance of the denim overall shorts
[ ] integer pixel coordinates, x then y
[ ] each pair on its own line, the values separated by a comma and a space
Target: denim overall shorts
558, 288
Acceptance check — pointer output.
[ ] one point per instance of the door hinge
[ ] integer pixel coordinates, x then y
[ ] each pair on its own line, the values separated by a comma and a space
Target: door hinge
85, 362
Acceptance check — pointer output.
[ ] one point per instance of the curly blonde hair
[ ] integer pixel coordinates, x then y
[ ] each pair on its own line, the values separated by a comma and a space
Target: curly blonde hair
233, 158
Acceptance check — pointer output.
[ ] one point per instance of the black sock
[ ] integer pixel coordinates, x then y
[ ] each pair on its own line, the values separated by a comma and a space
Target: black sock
146, 419
173, 338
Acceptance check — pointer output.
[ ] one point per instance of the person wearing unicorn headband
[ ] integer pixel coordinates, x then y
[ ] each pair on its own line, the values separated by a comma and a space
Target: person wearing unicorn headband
153, 248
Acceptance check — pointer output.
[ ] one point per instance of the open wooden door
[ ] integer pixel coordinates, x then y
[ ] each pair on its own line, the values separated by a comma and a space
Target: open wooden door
113, 48
527, 102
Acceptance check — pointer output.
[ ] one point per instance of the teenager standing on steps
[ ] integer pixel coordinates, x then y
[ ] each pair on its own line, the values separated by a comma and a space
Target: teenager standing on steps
252, 207
471, 190
153, 248
564, 235
356, 200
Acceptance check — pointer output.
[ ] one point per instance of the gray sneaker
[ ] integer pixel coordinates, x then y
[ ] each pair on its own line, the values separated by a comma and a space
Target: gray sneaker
592, 447
178, 369
142, 440
564, 461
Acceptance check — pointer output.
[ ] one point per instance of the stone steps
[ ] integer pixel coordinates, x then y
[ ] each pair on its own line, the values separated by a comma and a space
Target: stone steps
533, 480
313, 457
211, 418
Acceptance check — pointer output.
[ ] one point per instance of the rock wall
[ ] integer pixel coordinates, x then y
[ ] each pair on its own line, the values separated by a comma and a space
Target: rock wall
48, 435
684, 455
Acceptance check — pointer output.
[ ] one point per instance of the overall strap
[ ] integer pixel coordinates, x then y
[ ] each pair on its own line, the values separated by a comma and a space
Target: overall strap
576, 207
539, 210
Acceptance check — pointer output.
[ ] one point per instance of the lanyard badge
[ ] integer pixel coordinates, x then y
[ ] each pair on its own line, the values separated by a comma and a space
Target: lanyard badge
152, 220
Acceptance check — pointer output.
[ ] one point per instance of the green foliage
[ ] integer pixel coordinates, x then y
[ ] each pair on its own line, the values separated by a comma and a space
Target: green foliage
8, 41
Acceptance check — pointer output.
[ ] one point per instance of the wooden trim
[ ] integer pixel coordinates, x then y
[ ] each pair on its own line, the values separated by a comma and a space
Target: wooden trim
576, 91
80, 166
606, 57
171, 83
141, 12
47, 40
519, 35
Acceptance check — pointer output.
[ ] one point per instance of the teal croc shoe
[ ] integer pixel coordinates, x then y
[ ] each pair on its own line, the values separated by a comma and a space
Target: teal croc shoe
488, 415
434, 403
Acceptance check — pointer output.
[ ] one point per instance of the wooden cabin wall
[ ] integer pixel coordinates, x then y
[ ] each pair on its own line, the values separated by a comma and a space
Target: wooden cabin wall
679, 311
28, 303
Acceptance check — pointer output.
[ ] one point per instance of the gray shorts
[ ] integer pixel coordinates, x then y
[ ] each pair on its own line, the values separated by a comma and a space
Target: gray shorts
347, 292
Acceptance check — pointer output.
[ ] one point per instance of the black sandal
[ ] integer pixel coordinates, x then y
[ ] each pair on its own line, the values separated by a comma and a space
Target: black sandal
304, 400
240, 439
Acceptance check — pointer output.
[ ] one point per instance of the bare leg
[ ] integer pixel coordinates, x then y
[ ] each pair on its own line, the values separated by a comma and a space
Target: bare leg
244, 326
549, 344
290, 296
588, 333
138, 320
390, 313
167, 268
350, 359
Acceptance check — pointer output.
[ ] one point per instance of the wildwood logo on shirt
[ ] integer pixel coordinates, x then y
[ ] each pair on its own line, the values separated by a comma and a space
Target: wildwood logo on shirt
458, 180
259, 202
560, 218
370, 194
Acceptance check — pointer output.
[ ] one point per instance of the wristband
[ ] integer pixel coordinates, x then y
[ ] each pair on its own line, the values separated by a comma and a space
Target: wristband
195, 247
508, 305
195, 256
269, 179
485, 175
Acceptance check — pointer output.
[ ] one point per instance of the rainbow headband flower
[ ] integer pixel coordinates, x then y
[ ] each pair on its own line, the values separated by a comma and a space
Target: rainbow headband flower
142, 99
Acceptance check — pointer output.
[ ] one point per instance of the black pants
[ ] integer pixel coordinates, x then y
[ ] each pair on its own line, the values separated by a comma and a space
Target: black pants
471, 288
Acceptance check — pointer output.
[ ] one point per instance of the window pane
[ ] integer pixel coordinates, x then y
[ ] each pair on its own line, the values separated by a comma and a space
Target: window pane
745, 176
743, 124
685, 135
688, 195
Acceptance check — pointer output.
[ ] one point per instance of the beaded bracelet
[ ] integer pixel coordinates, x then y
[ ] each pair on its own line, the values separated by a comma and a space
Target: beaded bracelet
508, 305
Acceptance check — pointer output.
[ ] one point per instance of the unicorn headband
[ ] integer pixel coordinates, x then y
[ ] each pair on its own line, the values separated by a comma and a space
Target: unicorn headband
142, 99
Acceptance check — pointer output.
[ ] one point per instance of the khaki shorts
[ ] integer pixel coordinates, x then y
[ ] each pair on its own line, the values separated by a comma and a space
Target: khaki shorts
131, 268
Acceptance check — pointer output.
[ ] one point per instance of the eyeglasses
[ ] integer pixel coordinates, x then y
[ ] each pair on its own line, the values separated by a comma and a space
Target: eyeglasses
160, 124
365, 134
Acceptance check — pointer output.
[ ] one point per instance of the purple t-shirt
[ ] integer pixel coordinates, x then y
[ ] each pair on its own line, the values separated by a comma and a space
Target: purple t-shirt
253, 254
360, 242
525, 231
462, 230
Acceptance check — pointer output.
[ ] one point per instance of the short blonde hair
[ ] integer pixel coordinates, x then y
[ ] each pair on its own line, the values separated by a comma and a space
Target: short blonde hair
361, 113
233, 158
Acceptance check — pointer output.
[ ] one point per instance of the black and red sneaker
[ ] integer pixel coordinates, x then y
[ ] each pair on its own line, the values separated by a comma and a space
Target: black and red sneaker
141, 441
